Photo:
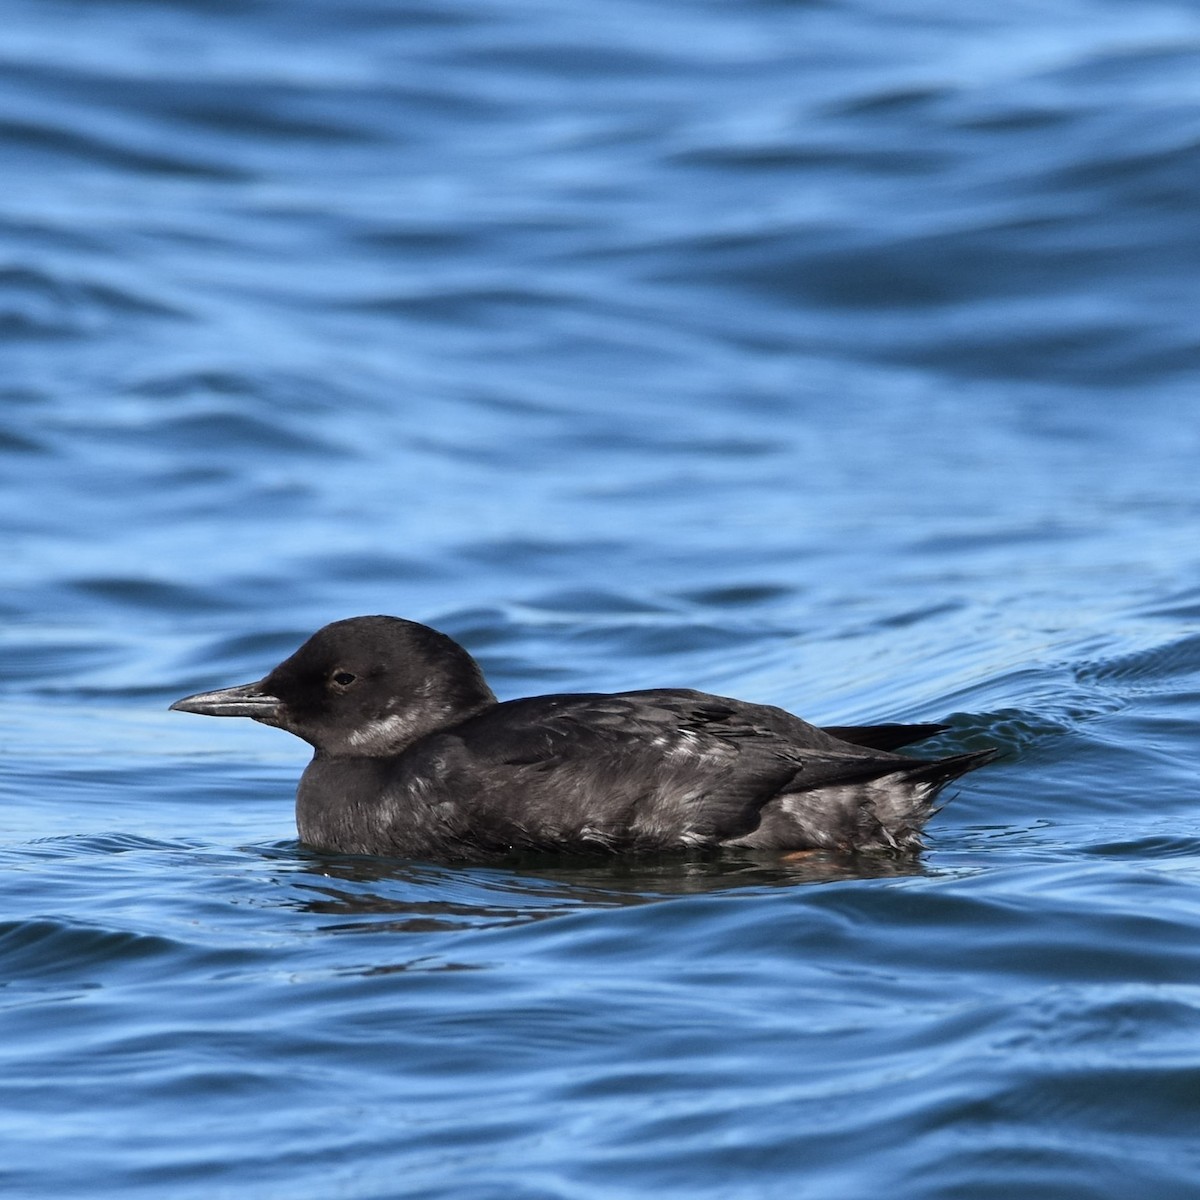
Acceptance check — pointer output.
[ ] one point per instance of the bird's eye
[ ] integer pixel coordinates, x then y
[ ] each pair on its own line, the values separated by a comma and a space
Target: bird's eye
344, 679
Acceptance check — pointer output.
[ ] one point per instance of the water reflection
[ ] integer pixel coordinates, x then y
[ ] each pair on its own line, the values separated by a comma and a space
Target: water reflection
374, 894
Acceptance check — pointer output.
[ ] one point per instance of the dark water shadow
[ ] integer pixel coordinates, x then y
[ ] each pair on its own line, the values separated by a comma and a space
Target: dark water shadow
366, 894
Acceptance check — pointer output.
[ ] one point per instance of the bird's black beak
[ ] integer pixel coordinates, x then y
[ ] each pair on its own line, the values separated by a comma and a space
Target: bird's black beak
245, 700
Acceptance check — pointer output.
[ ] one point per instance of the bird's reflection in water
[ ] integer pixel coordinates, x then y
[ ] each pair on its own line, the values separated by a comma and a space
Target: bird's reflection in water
372, 895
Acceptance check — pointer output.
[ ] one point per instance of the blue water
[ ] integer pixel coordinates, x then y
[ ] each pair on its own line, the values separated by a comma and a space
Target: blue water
838, 355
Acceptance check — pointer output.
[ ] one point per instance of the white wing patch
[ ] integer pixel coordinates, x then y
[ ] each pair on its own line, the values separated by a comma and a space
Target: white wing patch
685, 743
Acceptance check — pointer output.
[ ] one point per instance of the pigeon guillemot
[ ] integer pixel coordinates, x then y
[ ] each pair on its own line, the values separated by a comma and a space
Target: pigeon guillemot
415, 757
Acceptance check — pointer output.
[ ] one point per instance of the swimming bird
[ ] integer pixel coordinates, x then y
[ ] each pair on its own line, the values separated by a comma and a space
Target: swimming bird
415, 757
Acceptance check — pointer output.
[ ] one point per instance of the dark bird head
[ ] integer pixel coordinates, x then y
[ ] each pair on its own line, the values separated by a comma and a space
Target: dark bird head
363, 687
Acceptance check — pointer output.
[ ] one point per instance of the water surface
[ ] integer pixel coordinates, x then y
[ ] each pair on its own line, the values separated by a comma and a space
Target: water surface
835, 355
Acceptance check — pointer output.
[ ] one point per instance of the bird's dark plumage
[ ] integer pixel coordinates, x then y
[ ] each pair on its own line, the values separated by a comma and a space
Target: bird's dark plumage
414, 756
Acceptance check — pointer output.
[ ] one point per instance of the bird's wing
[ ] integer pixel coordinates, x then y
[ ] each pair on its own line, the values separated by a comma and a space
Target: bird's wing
632, 770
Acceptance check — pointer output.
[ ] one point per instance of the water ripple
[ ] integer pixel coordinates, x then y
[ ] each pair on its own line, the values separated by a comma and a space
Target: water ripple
837, 356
